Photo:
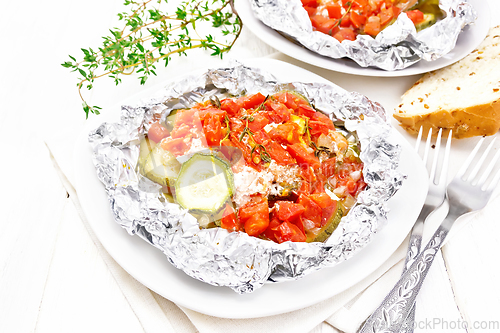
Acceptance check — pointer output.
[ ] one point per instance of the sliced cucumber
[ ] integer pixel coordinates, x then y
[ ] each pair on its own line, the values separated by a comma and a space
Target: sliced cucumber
160, 166
204, 184
327, 230
429, 19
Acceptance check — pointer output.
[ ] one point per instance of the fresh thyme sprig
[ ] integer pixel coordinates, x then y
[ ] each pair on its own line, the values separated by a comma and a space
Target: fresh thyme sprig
228, 129
349, 4
264, 155
151, 35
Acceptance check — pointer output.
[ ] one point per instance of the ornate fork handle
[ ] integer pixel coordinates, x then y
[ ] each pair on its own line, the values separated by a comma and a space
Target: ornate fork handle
391, 314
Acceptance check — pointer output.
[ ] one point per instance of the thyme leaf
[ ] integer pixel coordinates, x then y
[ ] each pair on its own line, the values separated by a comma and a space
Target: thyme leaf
150, 35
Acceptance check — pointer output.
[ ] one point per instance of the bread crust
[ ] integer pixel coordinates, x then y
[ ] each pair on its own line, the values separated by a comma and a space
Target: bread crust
478, 120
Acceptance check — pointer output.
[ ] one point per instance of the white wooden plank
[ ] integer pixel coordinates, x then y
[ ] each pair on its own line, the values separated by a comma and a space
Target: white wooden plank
81, 295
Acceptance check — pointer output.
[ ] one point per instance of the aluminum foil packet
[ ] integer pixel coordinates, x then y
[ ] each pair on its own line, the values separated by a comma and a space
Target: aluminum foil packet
396, 47
235, 259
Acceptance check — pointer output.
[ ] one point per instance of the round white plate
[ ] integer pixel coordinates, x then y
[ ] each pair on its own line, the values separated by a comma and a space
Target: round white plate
150, 267
467, 41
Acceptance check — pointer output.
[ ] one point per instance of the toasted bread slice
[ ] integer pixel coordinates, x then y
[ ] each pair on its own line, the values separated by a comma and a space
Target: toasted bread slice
463, 97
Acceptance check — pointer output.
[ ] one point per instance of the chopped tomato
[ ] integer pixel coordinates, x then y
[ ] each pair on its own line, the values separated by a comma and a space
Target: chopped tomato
255, 217
416, 16
288, 211
180, 131
306, 110
277, 112
252, 101
157, 132
176, 146
279, 154
329, 167
386, 16
185, 116
289, 232
270, 232
334, 11
258, 122
318, 116
323, 24
229, 220
286, 133
310, 10
372, 26
312, 210
322, 199
310, 3
290, 100
317, 128
299, 152
345, 22
210, 111
357, 19
230, 106
212, 130
328, 212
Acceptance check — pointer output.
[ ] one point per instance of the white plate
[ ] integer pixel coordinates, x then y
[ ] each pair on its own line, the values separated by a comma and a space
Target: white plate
150, 267
467, 41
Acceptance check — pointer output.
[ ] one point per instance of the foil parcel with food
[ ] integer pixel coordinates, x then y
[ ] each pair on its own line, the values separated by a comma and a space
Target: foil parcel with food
387, 34
240, 179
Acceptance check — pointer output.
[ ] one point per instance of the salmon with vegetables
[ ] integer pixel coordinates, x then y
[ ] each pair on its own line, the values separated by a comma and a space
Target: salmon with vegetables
270, 166
345, 19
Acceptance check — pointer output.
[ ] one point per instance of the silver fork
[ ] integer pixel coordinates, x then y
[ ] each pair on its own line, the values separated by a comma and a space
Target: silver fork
465, 196
435, 198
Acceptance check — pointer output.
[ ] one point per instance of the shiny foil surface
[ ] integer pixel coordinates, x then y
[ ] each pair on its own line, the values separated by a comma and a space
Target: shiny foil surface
396, 47
234, 259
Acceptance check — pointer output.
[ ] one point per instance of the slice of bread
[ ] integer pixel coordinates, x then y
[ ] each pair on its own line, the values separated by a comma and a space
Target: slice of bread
463, 97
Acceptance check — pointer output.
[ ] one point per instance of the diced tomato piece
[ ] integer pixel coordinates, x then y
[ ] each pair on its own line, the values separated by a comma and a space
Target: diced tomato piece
245, 151
345, 22
359, 4
299, 152
324, 25
252, 101
416, 16
286, 133
329, 167
352, 187
180, 131
185, 116
306, 110
357, 20
318, 116
277, 112
312, 210
345, 34
322, 199
372, 26
290, 100
310, 10
288, 211
334, 11
270, 232
210, 111
230, 106
310, 3
327, 213
255, 216
289, 232
213, 130
317, 128
386, 16
176, 146
229, 220
279, 154
157, 132
258, 123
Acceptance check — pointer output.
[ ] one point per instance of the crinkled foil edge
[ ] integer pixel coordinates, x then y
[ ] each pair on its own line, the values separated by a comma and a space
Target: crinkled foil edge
396, 47
235, 259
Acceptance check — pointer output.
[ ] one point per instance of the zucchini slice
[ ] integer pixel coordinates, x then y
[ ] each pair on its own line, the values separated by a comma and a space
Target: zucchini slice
327, 230
204, 184
160, 166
